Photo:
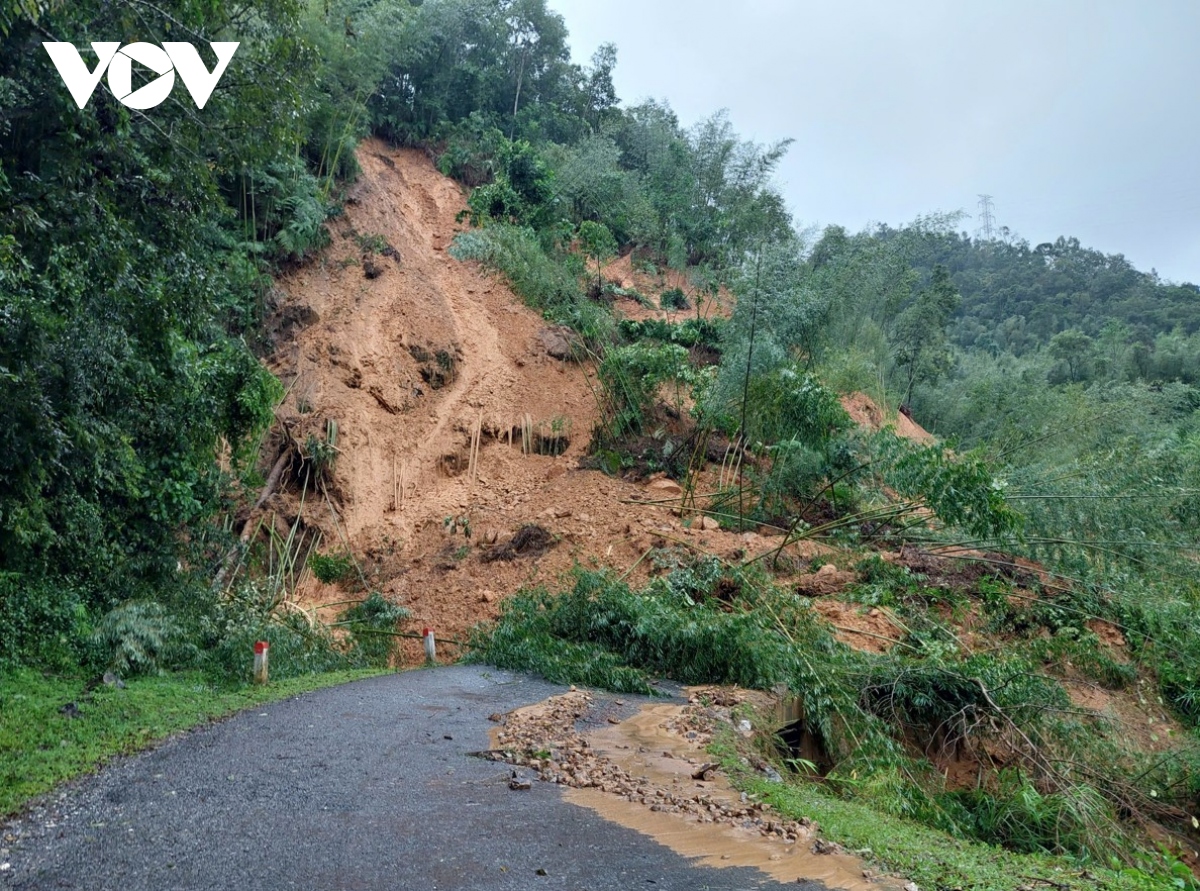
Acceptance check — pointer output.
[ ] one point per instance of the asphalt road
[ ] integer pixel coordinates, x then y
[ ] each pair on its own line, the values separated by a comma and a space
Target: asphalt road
365, 786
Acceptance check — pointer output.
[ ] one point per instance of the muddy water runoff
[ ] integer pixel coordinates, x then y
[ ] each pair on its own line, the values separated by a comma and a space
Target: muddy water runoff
644, 747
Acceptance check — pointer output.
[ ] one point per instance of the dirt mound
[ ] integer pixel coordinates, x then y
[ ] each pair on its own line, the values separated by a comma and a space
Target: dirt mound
867, 414
867, 629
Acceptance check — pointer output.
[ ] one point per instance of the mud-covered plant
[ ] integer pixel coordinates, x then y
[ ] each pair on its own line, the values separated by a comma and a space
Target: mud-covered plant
374, 243
674, 298
552, 437
319, 455
454, 525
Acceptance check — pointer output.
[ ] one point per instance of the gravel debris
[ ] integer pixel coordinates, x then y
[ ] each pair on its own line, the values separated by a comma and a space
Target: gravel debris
546, 740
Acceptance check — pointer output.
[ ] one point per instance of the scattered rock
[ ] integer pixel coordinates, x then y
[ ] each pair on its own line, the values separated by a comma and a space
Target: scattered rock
547, 741
709, 524
530, 541
826, 580
371, 269
664, 488
559, 342
821, 846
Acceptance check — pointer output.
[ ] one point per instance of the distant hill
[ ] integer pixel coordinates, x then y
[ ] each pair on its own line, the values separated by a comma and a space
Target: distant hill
1016, 297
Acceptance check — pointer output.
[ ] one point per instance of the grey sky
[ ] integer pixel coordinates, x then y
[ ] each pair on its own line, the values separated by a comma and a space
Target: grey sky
1078, 117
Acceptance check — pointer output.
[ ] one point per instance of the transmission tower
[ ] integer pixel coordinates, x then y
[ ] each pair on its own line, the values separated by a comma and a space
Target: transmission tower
988, 216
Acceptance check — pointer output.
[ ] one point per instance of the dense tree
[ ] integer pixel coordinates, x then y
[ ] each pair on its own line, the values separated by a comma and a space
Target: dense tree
598, 245
921, 349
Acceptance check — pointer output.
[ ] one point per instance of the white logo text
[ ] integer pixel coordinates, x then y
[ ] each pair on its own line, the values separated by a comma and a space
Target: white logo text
118, 60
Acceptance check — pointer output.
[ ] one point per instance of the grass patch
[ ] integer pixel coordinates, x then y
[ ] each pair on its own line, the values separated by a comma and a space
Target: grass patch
40, 746
933, 859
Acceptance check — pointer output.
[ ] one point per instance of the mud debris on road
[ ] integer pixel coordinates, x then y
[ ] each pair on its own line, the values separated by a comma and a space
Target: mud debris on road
650, 772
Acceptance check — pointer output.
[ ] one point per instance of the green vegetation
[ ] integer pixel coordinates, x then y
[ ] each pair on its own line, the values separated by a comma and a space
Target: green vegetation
887, 725
56, 727
135, 254
332, 568
934, 859
674, 298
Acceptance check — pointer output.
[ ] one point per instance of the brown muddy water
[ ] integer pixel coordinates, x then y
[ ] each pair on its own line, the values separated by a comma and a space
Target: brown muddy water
644, 747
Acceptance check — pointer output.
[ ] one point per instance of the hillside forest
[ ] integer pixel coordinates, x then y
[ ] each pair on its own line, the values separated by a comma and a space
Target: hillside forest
1056, 511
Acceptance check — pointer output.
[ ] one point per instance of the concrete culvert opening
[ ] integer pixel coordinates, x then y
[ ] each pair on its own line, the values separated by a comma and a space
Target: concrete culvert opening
798, 740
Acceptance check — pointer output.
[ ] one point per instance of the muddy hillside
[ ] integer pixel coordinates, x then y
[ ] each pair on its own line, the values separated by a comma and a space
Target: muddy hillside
439, 405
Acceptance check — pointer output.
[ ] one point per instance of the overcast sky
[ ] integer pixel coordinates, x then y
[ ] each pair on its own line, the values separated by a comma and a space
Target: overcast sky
1078, 117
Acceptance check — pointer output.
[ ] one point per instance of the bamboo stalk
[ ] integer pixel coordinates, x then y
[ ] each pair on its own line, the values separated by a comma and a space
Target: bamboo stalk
473, 458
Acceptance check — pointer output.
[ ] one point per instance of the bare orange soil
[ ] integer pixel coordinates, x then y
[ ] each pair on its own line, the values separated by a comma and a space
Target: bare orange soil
867, 414
410, 364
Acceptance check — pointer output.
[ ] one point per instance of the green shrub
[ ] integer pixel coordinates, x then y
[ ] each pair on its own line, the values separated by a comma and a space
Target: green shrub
630, 376
669, 629
688, 333
140, 637
518, 254
372, 624
1023, 818
789, 404
332, 568
961, 489
43, 623
297, 647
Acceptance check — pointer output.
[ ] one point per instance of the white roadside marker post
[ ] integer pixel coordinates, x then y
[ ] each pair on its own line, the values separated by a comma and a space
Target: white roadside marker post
430, 647
261, 649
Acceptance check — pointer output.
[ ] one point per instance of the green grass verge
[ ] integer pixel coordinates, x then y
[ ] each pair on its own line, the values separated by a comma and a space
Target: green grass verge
933, 859
41, 747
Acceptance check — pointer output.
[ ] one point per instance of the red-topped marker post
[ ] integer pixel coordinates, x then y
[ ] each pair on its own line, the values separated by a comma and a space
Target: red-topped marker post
261, 649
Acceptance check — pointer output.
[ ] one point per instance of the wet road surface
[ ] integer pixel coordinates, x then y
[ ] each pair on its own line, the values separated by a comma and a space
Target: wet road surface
366, 786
